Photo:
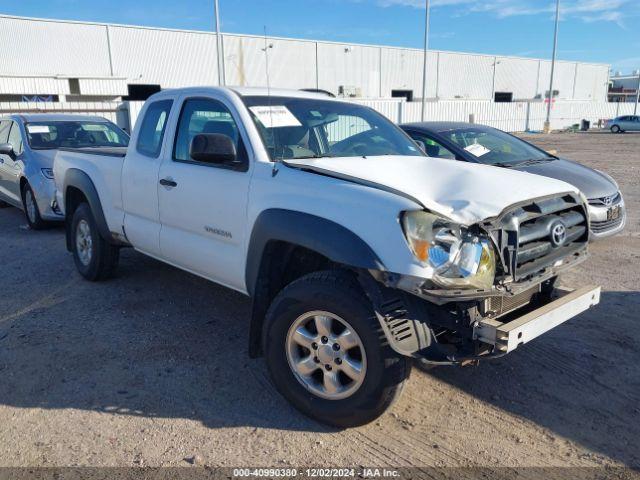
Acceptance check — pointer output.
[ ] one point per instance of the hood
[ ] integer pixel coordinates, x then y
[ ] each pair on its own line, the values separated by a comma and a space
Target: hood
464, 192
591, 183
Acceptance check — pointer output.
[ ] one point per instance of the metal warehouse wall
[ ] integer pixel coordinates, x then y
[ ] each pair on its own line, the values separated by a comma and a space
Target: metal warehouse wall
37, 47
292, 64
175, 58
170, 58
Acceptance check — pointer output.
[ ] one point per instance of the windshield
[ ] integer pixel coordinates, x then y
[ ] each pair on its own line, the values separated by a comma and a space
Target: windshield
494, 147
311, 128
74, 134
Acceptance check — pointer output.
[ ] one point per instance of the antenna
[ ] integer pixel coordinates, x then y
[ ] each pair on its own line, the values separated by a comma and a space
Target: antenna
266, 48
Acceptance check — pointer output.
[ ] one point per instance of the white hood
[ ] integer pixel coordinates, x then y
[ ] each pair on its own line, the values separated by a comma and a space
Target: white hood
466, 193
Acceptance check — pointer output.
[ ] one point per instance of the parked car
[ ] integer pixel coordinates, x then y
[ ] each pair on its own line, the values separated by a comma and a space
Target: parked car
28, 144
625, 123
481, 144
357, 250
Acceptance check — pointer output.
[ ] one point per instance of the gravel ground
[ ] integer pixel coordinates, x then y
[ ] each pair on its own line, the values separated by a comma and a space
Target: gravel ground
151, 369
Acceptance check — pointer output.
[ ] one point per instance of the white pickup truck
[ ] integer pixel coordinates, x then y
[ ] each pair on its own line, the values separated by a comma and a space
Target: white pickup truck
358, 251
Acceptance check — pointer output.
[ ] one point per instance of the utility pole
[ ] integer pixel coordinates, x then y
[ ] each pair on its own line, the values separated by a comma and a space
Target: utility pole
220, 60
635, 109
547, 123
424, 66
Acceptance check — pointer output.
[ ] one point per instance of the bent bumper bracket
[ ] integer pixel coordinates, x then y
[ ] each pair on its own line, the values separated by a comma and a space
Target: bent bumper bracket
506, 337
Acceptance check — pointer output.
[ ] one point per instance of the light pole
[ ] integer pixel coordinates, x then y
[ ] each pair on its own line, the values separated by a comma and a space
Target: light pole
220, 60
547, 123
424, 66
635, 108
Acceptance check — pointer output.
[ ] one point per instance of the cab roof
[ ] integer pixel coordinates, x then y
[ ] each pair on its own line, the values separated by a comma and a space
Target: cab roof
245, 92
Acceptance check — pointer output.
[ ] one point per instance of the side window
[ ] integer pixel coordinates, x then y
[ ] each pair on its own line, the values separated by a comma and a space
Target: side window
152, 128
433, 148
204, 115
5, 126
15, 138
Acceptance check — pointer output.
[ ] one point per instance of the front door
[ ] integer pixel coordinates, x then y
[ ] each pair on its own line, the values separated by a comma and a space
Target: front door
140, 179
11, 167
203, 206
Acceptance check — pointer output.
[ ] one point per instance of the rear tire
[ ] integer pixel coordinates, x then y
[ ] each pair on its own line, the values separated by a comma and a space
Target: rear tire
95, 258
615, 129
330, 387
31, 212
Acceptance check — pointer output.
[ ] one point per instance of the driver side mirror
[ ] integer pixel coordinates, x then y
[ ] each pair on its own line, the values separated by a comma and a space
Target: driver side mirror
213, 148
7, 149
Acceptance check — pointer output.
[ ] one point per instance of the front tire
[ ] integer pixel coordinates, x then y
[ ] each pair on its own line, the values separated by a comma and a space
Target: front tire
615, 129
31, 212
326, 351
95, 258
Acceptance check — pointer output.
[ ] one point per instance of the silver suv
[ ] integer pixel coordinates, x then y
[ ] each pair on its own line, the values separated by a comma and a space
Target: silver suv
28, 144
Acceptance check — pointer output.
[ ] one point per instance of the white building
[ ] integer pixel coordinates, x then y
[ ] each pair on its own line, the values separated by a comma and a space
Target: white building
63, 60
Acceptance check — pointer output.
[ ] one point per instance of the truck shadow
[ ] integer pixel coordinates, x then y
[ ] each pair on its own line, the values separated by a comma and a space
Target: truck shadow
580, 381
155, 342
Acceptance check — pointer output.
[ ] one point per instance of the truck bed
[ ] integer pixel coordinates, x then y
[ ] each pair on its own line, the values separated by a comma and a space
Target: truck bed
103, 165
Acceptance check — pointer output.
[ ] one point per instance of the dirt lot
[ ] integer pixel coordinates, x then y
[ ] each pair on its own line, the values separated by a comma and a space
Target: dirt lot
151, 369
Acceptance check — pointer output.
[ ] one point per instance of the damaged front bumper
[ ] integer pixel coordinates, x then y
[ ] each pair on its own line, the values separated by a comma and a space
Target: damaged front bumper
506, 336
465, 330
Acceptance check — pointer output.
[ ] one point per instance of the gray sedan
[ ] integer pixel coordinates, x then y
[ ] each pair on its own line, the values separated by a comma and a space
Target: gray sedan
481, 144
28, 144
626, 123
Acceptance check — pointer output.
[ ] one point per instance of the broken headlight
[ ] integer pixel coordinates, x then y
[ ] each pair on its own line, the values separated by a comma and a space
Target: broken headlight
459, 257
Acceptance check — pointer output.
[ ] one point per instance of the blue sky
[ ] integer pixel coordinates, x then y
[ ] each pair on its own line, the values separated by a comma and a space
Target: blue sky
591, 30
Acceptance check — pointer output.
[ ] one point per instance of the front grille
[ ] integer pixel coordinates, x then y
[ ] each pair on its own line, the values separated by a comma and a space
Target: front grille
606, 225
543, 233
606, 201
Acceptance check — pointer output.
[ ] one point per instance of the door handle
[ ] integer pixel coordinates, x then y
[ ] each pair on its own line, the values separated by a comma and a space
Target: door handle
167, 182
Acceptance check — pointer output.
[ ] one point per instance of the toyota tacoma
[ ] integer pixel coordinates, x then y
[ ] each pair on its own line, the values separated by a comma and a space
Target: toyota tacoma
359, 253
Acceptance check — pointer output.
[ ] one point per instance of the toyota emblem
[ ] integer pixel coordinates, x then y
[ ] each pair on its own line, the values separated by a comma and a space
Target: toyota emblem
608, 201
558, 234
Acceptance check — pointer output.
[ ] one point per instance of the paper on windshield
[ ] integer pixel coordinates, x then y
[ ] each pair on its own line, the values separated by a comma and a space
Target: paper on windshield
38, 128
477, 150
275, 116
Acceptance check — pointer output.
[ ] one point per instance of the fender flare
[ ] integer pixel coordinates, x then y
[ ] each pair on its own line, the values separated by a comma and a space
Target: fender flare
78, 179
326, 237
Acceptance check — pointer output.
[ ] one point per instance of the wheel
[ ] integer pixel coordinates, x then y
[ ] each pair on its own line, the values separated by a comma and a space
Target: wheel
95, 258
327, 354
31, 211
615, 129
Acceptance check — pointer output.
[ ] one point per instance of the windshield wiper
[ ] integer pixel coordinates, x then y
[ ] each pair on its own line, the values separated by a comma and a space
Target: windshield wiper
326, 155
533, 161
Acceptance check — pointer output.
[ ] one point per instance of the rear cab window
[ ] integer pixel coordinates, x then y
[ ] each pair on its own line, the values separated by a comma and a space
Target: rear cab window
153, 127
